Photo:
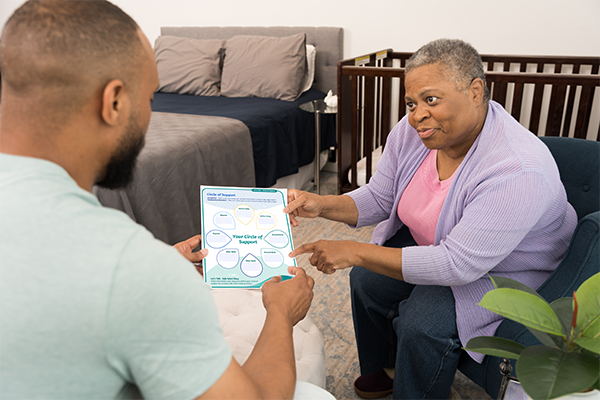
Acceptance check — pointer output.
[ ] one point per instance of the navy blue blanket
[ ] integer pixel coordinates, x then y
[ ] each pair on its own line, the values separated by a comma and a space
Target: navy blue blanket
282, 134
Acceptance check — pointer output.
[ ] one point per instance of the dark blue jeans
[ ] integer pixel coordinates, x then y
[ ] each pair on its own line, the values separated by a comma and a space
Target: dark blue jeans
408, 327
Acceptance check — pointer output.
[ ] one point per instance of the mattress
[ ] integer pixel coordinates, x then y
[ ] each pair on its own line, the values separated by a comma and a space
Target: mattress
282, 135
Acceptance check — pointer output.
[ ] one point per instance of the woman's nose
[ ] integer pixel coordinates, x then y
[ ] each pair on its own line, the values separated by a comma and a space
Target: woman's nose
420, 113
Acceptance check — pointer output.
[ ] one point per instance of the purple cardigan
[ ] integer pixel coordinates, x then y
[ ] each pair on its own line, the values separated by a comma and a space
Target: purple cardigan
506, 213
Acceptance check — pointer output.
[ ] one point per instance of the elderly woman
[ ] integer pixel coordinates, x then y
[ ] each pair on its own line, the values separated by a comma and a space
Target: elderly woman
478, 193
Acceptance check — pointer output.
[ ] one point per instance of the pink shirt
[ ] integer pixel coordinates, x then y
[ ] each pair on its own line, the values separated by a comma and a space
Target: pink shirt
421, 203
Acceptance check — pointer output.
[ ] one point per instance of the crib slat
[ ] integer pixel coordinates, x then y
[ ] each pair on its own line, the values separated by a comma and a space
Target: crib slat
344, 127
386, 94
556, 106
585, 108
401, 104
555, 110
369, 122
501, 92
536, 109
354, 150
490, 87
518, 95
570, 105
502, 89
377, 127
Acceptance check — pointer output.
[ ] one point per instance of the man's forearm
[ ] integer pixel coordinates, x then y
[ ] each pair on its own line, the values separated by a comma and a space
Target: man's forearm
272, 364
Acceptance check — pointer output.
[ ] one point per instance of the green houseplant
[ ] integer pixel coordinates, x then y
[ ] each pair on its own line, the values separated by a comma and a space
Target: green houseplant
568, 328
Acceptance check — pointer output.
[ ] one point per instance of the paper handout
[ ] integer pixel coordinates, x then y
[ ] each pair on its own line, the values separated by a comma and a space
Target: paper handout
247, 234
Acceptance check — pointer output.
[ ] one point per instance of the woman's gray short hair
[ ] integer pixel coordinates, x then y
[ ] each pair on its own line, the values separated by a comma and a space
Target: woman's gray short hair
461, 59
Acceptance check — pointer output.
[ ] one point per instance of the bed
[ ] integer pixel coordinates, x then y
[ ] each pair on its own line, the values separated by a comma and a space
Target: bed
549, 95
206, 134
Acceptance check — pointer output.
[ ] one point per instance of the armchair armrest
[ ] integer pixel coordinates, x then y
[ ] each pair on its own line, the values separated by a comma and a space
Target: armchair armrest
580, 262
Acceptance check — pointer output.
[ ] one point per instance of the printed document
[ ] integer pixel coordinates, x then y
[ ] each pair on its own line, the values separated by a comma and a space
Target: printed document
247, 234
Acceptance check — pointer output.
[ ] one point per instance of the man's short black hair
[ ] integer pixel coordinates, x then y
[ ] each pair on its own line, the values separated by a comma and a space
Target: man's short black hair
68, 49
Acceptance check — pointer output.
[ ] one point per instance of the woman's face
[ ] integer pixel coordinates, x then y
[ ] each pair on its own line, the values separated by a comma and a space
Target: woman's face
445, 117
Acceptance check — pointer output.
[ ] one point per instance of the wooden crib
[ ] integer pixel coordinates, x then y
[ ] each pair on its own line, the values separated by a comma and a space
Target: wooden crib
549, 95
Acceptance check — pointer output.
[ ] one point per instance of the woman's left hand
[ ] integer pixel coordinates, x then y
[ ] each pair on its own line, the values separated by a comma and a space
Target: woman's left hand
329, 255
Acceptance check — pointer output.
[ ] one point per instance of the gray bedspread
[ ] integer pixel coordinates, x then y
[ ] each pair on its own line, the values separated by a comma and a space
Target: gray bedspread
181, 153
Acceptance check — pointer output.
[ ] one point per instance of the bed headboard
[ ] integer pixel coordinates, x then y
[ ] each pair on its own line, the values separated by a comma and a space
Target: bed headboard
329, 42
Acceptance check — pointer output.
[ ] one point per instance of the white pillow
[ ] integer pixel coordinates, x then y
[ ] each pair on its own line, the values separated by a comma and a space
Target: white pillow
311, 54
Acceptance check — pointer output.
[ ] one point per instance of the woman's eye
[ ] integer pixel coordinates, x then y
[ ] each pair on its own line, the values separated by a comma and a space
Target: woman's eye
431, 99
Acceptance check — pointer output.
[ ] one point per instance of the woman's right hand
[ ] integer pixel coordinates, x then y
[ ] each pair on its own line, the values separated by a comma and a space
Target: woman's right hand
303, 204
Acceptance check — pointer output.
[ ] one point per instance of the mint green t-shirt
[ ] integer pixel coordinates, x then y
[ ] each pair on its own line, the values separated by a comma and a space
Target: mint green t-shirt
90, 301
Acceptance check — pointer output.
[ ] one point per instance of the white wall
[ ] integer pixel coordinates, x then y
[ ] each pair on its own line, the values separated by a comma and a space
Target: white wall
537, 27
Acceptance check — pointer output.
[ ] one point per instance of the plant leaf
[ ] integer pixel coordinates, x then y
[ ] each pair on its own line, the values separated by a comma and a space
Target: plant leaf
563, 308
547, 373
522, 307
507, 283
547, 339
590, 344
495, 346
588, 298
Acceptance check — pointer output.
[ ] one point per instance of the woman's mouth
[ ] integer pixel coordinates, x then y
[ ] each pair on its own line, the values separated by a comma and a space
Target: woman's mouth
424, 134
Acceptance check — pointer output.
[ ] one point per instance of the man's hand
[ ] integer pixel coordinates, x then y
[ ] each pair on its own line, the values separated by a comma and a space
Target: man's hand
330, 255
187, 246
302, 204
292, 297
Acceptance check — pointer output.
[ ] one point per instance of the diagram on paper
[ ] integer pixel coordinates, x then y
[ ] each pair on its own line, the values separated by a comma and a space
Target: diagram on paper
247, 235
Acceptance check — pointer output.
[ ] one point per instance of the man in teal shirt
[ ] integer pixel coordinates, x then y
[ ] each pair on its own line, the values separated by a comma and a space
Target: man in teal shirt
90, 303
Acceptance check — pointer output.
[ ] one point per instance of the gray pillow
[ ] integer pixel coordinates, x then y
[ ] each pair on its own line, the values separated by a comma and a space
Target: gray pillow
262, 66
189, 66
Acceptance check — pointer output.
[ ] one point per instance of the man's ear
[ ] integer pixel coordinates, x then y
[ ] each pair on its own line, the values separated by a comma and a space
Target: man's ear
477, 90
113, 101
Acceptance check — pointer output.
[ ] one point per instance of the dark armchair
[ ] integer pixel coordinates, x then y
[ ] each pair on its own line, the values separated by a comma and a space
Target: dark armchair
578, 161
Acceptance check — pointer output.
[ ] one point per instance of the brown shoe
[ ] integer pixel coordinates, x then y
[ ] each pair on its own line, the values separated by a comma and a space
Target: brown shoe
373, 386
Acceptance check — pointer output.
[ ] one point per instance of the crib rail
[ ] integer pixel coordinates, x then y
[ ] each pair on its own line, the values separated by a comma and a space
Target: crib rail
549, 95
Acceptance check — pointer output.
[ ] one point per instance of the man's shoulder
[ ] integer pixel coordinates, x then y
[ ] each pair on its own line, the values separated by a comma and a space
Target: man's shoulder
41, 202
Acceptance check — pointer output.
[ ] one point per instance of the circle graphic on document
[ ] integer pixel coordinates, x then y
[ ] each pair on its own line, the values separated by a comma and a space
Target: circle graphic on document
244, 213
228, 258
277, 239
251, 266
217, 239
271, 257
224, 220
265, 220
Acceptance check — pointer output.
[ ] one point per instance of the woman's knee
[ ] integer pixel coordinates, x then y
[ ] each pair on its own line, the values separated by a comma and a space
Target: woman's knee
428, 312
365, 282
368, 286
358, 278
